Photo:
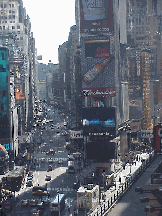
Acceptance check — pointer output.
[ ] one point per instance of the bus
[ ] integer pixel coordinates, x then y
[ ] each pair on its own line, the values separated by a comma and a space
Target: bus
57, 204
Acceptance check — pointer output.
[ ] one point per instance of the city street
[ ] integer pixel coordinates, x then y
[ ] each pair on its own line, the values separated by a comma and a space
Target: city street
60, 180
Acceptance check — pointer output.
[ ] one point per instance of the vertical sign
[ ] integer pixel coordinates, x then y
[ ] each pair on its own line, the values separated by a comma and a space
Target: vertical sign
4, 98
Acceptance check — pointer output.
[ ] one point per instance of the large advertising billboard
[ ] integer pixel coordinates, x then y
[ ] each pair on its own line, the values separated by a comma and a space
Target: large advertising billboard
97, 67
4, 97
19, 92
96, 16
99, 121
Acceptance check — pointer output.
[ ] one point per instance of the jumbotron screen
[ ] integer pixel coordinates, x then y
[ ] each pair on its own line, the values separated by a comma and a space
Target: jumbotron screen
98, 119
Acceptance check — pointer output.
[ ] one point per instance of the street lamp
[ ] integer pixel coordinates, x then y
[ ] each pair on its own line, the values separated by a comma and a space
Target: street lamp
85, 197
58, 193
153, 83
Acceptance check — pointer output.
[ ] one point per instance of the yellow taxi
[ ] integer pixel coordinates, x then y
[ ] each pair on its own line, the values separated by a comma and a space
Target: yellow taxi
43, 160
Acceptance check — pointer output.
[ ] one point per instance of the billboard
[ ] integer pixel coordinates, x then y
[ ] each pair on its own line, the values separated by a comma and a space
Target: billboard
97, 66
101, 151
99, 121
19, 92
97, 48
96, 16
4, 97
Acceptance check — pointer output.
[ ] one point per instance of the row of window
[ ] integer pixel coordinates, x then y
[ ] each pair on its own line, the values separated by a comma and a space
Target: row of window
6, 27
11, 21
10, 17
5, 11
5, 5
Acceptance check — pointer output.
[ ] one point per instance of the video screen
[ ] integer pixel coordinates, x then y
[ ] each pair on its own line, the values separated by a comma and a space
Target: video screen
98, 116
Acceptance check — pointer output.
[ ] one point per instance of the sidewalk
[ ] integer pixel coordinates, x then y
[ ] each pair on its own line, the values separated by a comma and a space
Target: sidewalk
123, 175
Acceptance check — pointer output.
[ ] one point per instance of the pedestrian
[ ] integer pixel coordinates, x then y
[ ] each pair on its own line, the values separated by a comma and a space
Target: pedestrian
119, 179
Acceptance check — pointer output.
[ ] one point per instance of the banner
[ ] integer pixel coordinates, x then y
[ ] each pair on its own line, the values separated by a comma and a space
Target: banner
19, 92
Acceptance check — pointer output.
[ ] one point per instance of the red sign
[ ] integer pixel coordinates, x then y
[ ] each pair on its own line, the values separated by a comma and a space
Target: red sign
99, 92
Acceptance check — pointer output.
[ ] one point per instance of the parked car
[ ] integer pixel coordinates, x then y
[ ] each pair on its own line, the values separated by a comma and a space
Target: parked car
48, 178
29, 183
76, 185
29, 178
49, 168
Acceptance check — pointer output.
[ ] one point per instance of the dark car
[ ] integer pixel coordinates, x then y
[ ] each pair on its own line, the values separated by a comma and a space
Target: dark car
76, 185
49, 168
33, 203
24, 203
29, 183
46, 201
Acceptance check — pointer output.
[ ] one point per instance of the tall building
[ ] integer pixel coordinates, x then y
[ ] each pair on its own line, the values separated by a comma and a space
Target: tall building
16, 36
144, 32
104, 88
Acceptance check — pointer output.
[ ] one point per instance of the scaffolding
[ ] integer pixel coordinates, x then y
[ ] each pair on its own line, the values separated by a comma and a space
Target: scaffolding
146, 102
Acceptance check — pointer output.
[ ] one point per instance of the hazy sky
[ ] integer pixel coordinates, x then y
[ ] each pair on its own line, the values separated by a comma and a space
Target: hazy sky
50, 22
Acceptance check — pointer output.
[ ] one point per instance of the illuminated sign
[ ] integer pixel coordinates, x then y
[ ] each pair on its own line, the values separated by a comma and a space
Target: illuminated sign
99, 92
96, 16
19, 92
97, 48
4, 97
7, 146
99, 121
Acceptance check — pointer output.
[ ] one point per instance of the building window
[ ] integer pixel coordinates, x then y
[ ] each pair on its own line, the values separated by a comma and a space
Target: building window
3, 27
13, 27
9, 11
0, 27
12, 5
1, 5
21, 38
4, 5
18, 27
9, 16
13, 16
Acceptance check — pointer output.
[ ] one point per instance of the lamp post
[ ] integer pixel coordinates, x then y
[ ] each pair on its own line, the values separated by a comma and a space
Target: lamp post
58, 192
85, 197
153, 94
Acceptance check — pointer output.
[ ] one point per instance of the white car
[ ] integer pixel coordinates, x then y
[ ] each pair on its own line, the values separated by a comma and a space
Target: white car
50, 160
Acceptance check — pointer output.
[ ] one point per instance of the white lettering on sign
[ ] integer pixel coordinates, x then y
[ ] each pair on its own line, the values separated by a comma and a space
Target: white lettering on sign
106, 133
90, 92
